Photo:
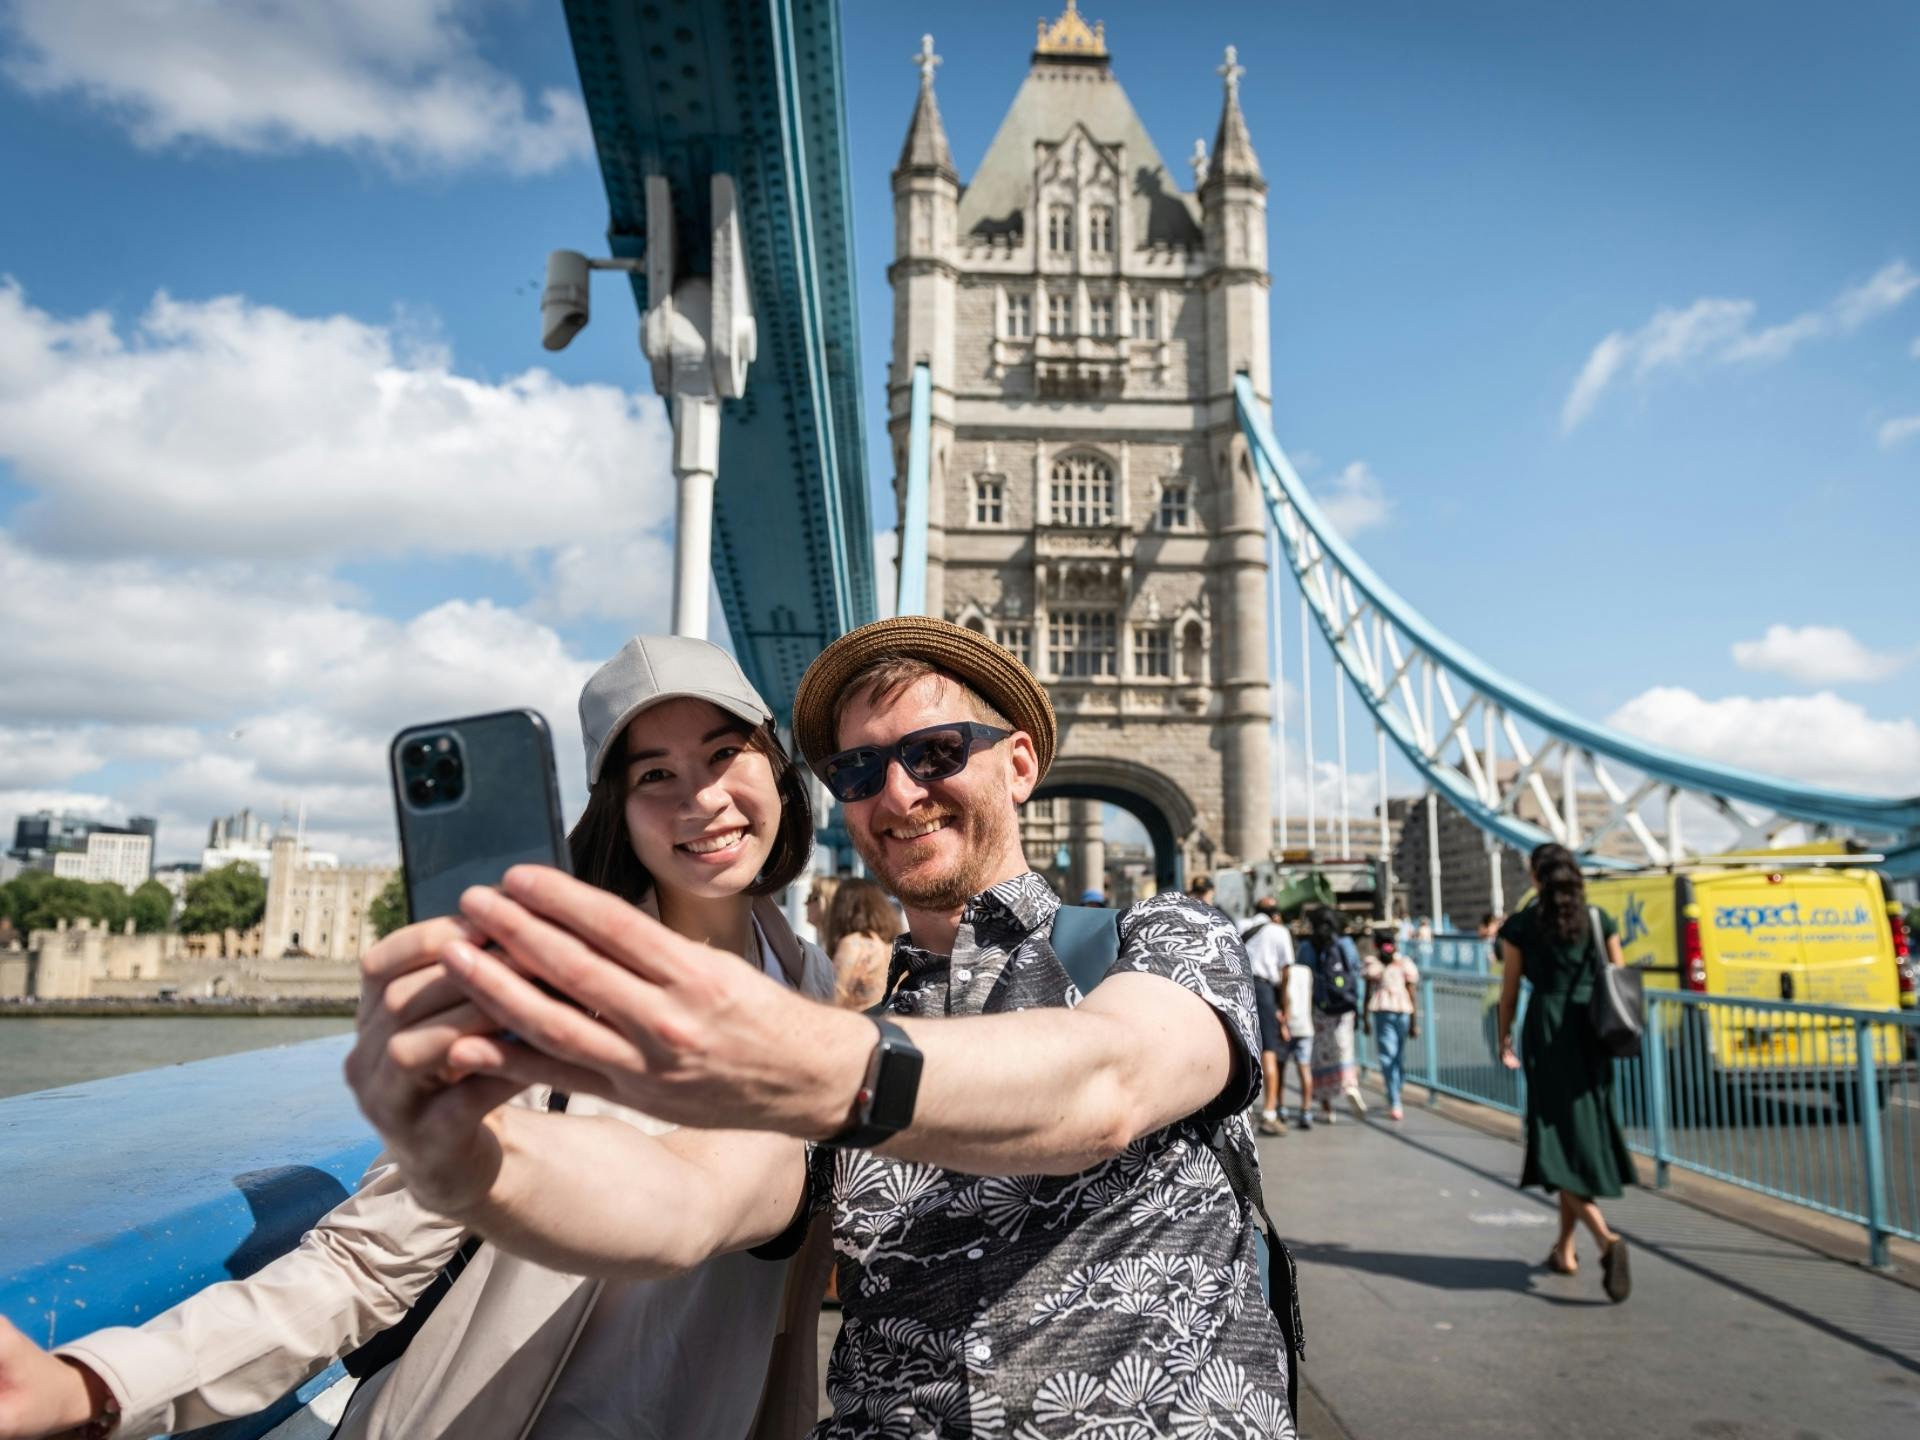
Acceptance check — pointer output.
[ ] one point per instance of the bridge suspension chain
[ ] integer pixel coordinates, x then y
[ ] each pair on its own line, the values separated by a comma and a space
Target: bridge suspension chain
1513, 762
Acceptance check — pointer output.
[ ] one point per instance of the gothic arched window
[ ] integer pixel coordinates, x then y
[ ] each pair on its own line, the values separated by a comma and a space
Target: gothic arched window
1060, 228
1100, 229
1081, 492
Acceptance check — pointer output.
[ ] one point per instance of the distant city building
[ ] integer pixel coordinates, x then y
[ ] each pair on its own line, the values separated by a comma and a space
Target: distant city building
122, 857
1467, 888
317, 906
82, 961
243, 839
39, 839
241, 829
1322, 841
176, 878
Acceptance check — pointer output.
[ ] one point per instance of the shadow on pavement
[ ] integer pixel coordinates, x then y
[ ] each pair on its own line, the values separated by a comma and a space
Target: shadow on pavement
1767, 1263
1441, 1272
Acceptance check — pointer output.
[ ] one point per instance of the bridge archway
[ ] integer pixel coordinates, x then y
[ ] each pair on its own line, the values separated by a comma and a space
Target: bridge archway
1159, 804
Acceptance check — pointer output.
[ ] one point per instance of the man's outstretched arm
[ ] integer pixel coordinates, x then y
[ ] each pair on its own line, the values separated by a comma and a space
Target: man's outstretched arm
691, 1035
589, 1194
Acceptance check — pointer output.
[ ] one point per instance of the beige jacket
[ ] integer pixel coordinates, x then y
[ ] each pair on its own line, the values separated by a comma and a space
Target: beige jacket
482, 1365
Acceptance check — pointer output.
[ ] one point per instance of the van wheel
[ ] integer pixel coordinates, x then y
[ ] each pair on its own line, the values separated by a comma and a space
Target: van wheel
1846, 1098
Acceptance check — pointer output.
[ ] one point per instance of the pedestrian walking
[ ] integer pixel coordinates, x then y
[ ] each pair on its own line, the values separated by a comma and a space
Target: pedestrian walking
1042, 1201
1296, 1035
861, 924
1392, 1011
1336, 1005
1269, 954
1574, 1143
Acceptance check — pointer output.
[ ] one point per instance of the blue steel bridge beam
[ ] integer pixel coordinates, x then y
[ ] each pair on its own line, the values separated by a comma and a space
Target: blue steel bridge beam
753, 90
1399, 664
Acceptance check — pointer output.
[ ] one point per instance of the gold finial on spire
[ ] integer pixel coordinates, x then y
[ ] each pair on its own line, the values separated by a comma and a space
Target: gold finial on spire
1231, 71
1071, 35
926, 60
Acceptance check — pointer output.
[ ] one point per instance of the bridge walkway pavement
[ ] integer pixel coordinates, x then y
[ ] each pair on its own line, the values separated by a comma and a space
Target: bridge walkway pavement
1427, 1313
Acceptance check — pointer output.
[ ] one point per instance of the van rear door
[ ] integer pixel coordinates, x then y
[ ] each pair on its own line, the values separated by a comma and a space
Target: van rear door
1751, 938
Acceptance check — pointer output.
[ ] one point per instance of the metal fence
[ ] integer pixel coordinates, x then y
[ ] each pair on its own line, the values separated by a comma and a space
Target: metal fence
1452, 954
1818, 1105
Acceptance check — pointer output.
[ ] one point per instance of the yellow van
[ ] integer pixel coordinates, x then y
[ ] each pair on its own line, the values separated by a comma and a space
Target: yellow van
1765, 927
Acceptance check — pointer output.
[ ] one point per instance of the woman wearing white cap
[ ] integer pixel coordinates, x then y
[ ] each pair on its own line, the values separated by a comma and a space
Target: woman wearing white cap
696, 813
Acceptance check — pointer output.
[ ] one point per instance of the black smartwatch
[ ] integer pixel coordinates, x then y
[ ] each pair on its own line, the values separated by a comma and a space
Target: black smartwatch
884, 1106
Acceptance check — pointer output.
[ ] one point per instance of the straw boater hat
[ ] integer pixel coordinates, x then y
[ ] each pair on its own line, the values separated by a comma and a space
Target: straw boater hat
1002, 681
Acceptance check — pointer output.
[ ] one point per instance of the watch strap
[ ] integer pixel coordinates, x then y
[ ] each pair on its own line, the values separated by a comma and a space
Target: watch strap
864, 1130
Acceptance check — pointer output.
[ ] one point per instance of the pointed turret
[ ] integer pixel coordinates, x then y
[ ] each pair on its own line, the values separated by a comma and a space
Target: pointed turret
1233, 157
926, 146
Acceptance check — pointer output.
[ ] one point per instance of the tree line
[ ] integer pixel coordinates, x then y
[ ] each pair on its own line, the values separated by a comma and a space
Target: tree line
234, 897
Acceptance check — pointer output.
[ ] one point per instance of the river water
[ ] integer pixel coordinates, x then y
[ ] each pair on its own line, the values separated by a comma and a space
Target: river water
47, 1051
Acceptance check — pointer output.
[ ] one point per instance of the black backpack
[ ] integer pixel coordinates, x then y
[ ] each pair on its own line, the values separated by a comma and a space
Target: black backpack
1086, 941
1336, 979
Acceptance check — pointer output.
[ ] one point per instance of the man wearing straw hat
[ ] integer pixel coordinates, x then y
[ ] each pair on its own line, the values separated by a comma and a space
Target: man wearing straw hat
1027, 1187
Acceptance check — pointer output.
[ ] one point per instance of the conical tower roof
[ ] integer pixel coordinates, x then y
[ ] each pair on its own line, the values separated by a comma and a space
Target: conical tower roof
1071, 83
926, 145
1233, 157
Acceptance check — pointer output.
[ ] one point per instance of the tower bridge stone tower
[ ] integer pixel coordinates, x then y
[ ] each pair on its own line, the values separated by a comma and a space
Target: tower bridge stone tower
1093, 507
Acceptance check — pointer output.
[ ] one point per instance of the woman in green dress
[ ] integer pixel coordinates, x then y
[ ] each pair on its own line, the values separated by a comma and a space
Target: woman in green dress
1574, 1144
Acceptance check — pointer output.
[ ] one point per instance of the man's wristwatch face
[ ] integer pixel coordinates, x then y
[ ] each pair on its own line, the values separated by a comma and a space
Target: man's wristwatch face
885, 1104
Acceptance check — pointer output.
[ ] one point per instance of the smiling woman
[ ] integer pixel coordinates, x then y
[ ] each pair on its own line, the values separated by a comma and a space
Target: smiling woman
696, 813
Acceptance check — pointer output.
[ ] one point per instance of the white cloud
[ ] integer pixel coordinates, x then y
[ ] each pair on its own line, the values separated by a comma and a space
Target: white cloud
176, 641
400, 79
1817, 739
1355, 500
1816, 655
1720, 331
1895, 432
221, 691
227, 429
42, 756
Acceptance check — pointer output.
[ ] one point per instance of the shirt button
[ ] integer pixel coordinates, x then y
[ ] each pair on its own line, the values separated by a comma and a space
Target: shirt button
963, 976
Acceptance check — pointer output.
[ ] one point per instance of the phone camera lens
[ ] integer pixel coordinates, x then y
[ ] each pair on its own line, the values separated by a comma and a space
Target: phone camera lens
421, 791
453, 789
417, 753
445, 768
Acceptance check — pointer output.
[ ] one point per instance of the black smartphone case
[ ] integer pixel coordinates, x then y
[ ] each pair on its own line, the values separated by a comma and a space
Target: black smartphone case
509, 814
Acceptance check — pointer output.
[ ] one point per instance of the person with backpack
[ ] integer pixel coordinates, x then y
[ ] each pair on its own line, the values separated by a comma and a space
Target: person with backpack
696, 816
1336, 1004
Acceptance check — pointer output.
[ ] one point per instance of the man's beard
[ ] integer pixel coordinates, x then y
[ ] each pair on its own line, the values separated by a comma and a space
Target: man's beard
985, 832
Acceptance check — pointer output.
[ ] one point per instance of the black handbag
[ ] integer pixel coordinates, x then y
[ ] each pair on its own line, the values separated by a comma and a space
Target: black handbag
1618, 1010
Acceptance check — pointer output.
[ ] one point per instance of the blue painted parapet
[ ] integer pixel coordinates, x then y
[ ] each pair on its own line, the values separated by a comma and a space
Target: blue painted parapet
120, 1197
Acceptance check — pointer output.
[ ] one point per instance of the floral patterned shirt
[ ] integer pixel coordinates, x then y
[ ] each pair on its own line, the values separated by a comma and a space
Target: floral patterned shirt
1123, 1301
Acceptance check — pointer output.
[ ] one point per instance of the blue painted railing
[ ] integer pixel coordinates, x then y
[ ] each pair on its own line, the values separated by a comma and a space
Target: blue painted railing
1817, 1105
122, 1197
914, 515
1451, 954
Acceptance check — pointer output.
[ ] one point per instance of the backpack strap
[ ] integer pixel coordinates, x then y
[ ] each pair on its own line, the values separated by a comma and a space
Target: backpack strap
1279, 1278
1086, 942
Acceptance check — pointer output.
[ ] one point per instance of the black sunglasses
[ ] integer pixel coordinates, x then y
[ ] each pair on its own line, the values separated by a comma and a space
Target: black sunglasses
935, 753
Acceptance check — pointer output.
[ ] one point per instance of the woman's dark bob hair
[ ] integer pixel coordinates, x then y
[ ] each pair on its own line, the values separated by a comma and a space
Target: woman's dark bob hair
602, 851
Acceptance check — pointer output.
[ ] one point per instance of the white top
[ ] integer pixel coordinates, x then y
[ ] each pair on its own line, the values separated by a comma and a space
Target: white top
675, 1358
1296, 1000
1269, 951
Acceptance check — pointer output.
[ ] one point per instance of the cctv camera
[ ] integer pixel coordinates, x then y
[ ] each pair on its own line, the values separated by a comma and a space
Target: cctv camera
563, 305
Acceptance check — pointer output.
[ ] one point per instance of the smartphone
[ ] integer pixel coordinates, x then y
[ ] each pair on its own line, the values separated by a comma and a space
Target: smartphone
475, 797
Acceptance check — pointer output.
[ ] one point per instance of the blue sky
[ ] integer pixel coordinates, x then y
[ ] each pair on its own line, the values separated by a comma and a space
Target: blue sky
1600, 327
